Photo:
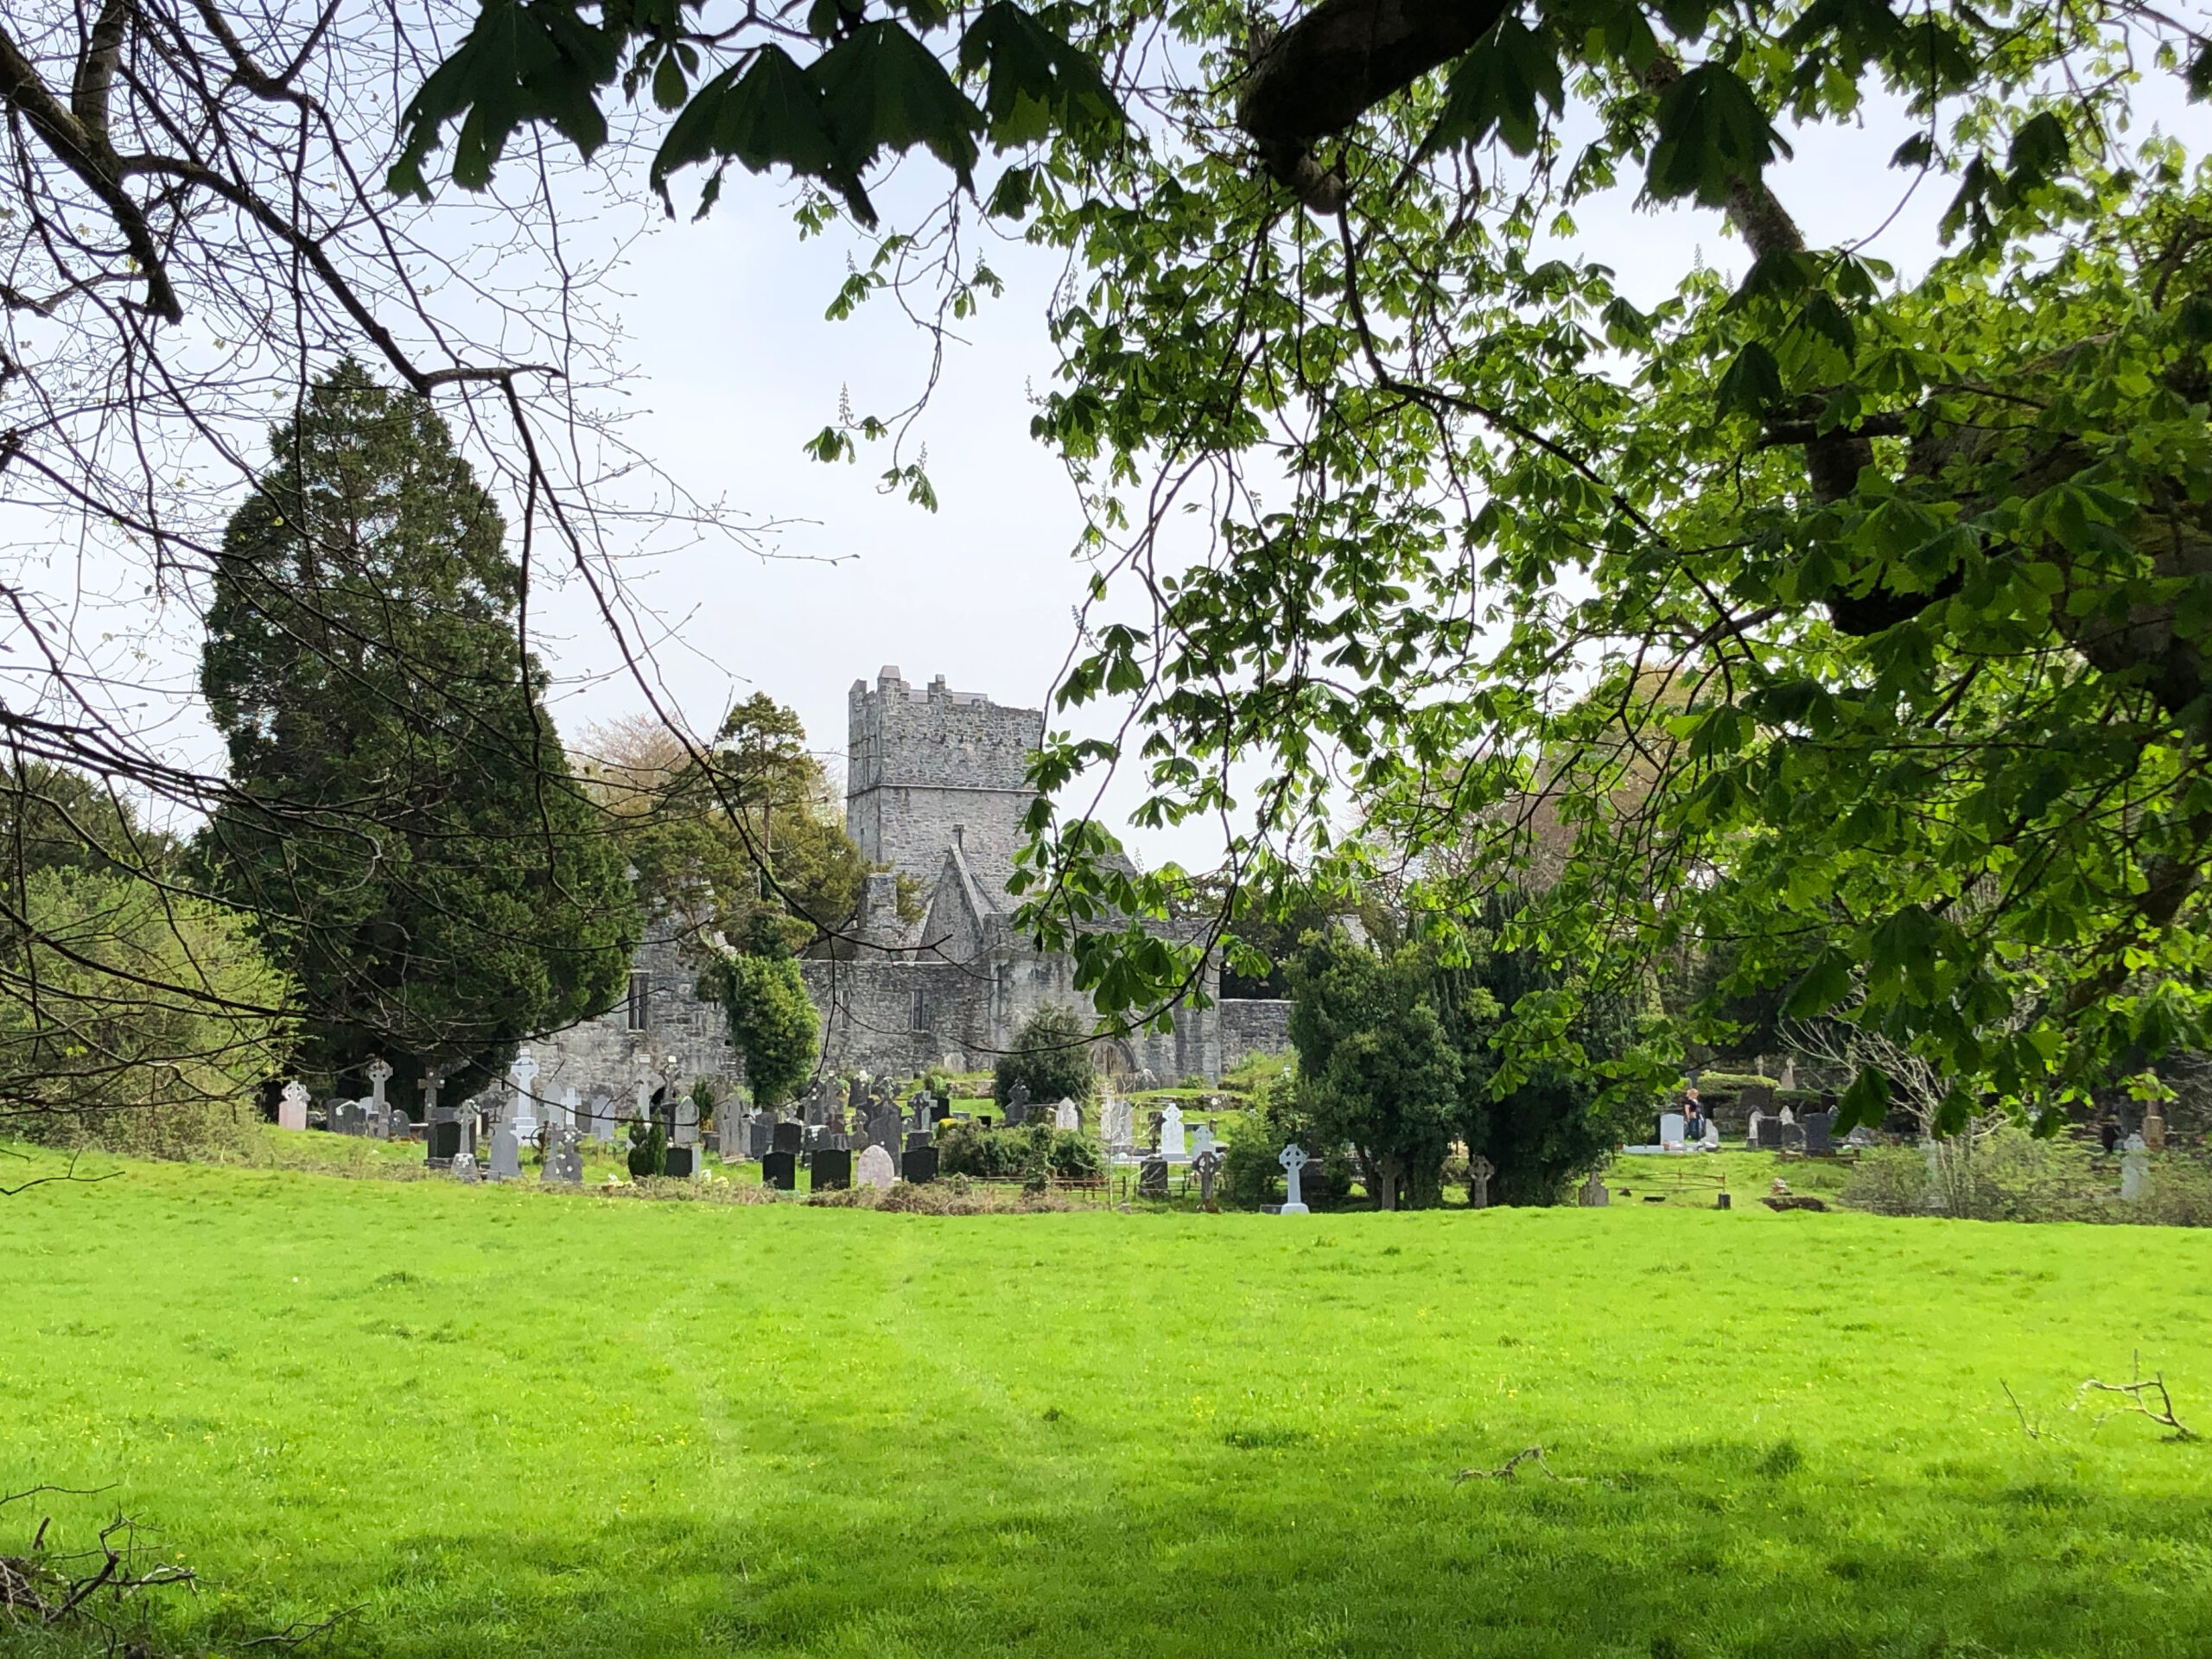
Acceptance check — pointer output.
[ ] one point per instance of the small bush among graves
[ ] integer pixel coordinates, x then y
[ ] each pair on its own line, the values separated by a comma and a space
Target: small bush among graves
1029, 1152
648, 1149
2009, 1175
1051, 1057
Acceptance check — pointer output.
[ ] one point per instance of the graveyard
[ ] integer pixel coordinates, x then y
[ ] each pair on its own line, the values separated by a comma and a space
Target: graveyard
429, 1417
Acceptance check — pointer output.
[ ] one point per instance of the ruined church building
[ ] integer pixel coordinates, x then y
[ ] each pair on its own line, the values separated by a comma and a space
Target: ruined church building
935, 790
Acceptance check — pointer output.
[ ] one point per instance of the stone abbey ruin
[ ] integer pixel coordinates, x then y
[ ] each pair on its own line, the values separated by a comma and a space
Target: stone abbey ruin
935, 790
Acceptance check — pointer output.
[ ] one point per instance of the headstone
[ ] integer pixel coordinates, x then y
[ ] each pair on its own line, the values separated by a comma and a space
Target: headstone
780, 1171
1789, 1116
1793, 1137
1152, 1131
1751, 1131
564, 1160
381, 1127
875, 1168
1067, 1116
1711, 1141
818, 1136
2154, 1131
918, 1167
348, 1118
1017, 1104
1206, 1165
687, 1121
292, 1106
1152, 1178
832, 1170
506, 1152
1819, 1133
464, 1167
681, 1164
379, 1075
523, 1073
1862, 1136
2134, 1168
1672, 1133
1292, 1159
1594, 1195
1202, 1141
1767, 1133
760, 1136
602, 1118
1171, 1134
939, 1111
790, 1138
1479, 1171
565, 1114
1789, 1073
917, 1142
644, 1092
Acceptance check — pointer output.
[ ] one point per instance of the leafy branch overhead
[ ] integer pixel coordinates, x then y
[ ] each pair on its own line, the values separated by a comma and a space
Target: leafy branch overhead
1852, 623
867, 88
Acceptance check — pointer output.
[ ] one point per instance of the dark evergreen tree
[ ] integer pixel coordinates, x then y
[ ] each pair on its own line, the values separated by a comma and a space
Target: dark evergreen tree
1377, 1068
772, 1020
406, 826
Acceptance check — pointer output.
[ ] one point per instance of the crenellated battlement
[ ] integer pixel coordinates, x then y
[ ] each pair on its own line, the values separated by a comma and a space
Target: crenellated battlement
927, 765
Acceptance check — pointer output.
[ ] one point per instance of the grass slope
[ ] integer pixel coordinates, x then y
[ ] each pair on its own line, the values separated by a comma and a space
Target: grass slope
505, 1422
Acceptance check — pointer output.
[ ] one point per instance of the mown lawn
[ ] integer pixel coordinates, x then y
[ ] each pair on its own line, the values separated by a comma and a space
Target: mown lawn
508, 1422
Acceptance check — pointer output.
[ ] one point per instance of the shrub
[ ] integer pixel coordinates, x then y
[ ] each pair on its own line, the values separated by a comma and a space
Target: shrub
2013, 1176
1029, 1153
772, 1020
144, 1036
1051, 1058
648, 1149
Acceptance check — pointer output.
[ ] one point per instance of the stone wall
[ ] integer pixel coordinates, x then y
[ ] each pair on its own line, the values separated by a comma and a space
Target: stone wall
1252, 1025
667, 1019
925, 766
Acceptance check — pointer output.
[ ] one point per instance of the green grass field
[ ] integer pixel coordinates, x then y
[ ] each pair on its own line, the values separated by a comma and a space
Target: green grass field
510, 1423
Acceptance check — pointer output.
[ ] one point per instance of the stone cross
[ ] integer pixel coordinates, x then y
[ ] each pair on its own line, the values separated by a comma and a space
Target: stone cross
1479, 1170
1206, 1166
1171, 1133
602, 1119
645, 1090
1292, 1159
567, 1117
1202, 1141
1067, 1116
292, 1106
1594, 1195
379, 1075
523, 1072
687, 1121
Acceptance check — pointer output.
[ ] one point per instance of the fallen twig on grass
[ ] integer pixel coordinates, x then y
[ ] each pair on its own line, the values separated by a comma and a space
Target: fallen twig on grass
1504, 1471
300, 1630
2138, 1396
2026, 1427
43, 1586
69, 1174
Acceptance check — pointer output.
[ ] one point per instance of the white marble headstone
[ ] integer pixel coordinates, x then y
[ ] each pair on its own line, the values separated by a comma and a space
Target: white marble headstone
292, 1106
1171, 1133
1067, 1116
874, 1168
1671, 1130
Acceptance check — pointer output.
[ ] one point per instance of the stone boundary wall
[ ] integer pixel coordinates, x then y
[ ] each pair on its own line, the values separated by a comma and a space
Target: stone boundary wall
1252, 1025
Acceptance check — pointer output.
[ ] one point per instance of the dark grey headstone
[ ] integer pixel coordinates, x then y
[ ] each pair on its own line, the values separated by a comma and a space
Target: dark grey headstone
780, 1171
1769, 1134
759, 1138
918, 1142
918, 1167
1820, 1132
832, 1170
682, 1163
1152, 1179
790, 1137
444, 1138
1793, 1136
939, 1111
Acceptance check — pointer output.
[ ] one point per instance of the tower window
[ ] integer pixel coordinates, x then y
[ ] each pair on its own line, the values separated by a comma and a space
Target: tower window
640, 1002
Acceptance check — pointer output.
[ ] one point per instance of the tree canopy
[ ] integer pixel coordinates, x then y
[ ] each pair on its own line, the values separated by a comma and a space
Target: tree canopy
405, 827
1921, 561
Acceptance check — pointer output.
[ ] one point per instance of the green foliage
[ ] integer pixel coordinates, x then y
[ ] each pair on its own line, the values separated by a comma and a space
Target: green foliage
1051, 1057
2009, 1175
648, 1148
771, 1019
140, 1019
747, 826
405, 822
1028, 1152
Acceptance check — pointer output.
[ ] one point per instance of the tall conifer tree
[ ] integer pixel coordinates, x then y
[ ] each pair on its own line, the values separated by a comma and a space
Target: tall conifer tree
408, 828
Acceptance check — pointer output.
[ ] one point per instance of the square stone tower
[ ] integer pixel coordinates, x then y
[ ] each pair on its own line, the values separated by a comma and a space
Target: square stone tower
928, 768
